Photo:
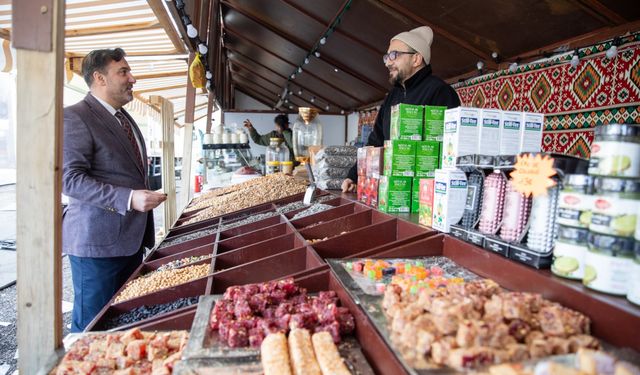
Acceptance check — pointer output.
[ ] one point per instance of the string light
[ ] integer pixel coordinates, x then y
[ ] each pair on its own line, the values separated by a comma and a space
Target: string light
306, 60
575, 59
480, 65
612, 52
317, 54
313, 99
323, 40
513, 67
293, 76
203, 49
342, 111
299, 92
191, 31
494, 55
209, 75
299, 69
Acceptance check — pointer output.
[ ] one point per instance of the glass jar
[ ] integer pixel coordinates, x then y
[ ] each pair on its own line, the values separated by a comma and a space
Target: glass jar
307, 131
616, 151
633, 293
574, 206
272, 156
608, 264
569, 252
615, 206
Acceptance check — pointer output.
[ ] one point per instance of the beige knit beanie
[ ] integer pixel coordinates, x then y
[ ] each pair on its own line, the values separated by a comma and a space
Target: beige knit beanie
419, 39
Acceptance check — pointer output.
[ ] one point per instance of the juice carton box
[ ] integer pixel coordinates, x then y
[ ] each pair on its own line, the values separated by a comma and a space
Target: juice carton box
531, 132
433, 123
375, 161
371, 189
450, 195
361, 160
394, 194
427, 158
489, 132
415, 195
460, 142
399, 158
510, 133
425, 211
406, 122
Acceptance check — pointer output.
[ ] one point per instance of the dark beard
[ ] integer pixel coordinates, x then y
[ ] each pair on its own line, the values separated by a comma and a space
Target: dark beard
398, 80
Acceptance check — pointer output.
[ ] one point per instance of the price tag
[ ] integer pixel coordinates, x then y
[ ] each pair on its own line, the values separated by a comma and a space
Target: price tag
532, 174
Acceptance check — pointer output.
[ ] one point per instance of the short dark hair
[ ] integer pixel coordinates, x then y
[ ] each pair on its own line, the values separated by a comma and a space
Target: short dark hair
282, 120
97, 60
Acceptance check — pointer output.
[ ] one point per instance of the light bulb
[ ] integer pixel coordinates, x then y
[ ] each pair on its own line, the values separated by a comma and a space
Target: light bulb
612, 52
327, 107
335, 70
480, 65
299, 69
293, 76
313, 99
290, 107
575, 60
286, 100
494, 54
203, 49
208, 85
513, 67
191, 31
209, 75
323, 40
317, 53
306, 60
342, 112
299, 92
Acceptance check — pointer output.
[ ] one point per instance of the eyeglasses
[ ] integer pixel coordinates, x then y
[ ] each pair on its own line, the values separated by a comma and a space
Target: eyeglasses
392, 55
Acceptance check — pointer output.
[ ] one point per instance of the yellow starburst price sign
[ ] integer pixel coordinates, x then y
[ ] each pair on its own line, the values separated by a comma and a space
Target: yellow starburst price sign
532, 174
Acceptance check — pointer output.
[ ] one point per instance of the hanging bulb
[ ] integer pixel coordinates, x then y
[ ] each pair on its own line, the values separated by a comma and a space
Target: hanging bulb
612, 52
317, 53
575, 59
323, 40
191, 31
327, 107
180, 4
286, 100
513, 67
342, 112
299, 92
480, 65
203, 49
208, 85
293, 76
494, 54
299, 69
313, 99
290, 107
306, 60
209, 75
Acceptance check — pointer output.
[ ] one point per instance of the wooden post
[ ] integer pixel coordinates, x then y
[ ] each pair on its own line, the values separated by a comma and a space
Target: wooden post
39, 183
168, 159
189, 109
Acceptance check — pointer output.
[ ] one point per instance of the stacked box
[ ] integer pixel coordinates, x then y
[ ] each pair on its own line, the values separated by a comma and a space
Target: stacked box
450, 195
425, 212
394, 194
399, 158
531, 132
406, 122
489, 132
460, 140
427, 158
361, 166
371, 191
415, 195
510, 133
375, 161
433, 123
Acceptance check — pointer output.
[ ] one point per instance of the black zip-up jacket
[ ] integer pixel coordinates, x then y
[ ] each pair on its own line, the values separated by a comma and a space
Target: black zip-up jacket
422, 88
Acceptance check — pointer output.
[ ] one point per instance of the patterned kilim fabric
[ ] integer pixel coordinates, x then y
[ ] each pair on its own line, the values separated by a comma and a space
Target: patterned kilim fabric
598, 91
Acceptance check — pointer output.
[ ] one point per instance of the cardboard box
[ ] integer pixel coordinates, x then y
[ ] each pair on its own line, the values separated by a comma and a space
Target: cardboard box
406, 122
375, 161
510, 133
360, 191
449, 198
361, 160
460, 142
371, 188
489, 132
433, 123
425, 210
415, 195
399, 158
394, 194
427, 158
531, 132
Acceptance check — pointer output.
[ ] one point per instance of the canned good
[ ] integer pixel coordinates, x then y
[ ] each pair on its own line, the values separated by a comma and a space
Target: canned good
575, 201
616, 151
608, 264
615, 206
633, 294
569, 252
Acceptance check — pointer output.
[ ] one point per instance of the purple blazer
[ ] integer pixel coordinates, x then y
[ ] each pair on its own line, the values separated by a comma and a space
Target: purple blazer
99, 173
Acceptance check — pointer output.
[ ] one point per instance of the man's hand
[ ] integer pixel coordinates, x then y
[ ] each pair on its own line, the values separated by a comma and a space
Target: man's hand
146, 200
348, 185
247, 124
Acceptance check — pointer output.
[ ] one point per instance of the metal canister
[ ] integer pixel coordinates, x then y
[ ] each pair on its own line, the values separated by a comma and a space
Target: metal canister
616, 151
615, 206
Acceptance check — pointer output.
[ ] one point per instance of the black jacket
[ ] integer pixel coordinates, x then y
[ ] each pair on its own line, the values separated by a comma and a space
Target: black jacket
422, 88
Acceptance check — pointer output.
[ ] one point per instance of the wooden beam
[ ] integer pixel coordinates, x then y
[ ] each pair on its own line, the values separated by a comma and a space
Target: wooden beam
280, 75
160, 75
38, 190
168, 160
600, 11
187, 170
165, 21
262, 21
394, 7
210, 111
190, 99
255, 96
179, 113
163, 88
257, 45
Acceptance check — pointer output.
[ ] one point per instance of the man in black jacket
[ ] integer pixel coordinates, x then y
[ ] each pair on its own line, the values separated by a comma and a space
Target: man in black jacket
408, 60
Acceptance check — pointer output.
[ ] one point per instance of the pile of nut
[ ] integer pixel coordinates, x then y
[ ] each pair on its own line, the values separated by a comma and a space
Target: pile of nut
245, 195
161, 280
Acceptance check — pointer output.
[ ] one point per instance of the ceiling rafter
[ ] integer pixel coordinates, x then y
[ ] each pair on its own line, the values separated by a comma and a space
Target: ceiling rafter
600, 11
260, 20
161, 75
246, 80
265, 93
401, 10
282, 76
341, 90
247, 92
113, 29
237, 68
345, 34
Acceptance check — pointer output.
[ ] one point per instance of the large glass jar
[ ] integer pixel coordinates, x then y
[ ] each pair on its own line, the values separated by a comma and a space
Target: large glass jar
307, 131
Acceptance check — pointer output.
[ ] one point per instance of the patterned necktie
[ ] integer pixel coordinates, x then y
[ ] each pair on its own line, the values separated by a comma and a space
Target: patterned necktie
126, 125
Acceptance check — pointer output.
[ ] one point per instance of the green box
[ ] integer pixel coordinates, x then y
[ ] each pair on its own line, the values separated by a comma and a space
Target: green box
400, 158
394, 194
415, 195
406, 122
433, 123
427, 158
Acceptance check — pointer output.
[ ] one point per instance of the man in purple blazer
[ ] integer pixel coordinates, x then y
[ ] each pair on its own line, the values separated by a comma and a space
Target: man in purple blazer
109, 219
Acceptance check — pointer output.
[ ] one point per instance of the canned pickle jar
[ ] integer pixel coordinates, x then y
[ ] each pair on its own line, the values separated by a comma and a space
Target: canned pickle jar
616, 151
608, 264
575, 201
569, 252
633, 294
616, 204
